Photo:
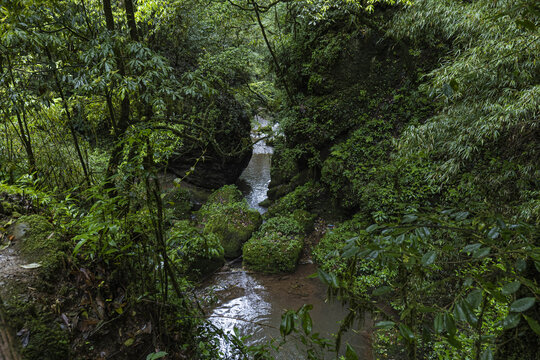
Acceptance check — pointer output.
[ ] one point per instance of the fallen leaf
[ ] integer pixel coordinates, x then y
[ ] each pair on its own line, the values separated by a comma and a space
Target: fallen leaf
31, 266
4, 247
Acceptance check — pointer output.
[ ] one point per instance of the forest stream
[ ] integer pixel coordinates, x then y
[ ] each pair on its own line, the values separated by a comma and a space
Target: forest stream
254, 303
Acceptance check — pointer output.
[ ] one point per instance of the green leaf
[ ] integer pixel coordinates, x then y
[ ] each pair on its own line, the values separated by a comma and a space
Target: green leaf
438, 323
487, 354
328, 279
471, 247
480, 253
533, 324
372, 228
385, 325
157, 355
406, 332
511, 321
511, 288
79, 245
307, 323
459, 313
522, 304
475, 298
350, 354
287, 323
521, 265
429, 258
454, 342
409, 218
462, 215
381, 290
493, 233
450, 324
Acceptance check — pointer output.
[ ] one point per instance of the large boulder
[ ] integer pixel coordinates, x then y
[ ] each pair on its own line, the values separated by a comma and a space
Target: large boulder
211, 165
276, 247
228, 215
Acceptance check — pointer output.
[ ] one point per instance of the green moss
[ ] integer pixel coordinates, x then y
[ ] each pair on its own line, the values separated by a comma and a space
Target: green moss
272, 252
45, 339
233, 224
276, 247
37, 241
300, 198
284, 225
225, 195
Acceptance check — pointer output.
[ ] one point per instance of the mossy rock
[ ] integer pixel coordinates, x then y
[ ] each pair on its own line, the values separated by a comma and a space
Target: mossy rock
225, 195
196, 253
272, 252
276, 247
233, 224
284, 225
37, 241
266, 203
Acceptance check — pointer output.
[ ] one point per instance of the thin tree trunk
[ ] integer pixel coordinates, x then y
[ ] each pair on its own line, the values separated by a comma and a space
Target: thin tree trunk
123, 122
279, 71
23, 125
68, 114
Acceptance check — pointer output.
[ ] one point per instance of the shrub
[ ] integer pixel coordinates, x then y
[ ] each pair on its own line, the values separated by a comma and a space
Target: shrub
193, 251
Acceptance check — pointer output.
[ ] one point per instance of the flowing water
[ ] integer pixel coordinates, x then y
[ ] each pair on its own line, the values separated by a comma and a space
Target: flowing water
253, 303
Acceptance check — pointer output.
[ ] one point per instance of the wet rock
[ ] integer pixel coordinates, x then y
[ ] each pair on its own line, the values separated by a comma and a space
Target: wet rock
227, 215
276, 247
233, 224
211, 166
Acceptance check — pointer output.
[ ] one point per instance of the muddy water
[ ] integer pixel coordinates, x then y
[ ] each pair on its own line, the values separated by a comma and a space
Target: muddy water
253, 303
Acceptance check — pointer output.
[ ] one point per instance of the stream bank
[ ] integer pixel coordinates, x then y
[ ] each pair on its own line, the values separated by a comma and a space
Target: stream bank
253, 303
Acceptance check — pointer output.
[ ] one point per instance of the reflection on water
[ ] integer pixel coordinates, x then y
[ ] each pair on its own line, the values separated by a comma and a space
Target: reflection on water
254, 303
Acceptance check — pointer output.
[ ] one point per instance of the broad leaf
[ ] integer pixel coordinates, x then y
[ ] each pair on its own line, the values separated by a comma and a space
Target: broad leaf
522, 305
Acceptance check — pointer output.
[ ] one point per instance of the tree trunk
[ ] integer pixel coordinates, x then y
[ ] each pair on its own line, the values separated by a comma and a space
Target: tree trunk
8, 345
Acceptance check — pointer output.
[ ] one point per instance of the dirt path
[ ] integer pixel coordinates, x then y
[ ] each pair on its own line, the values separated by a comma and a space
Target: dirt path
11, 273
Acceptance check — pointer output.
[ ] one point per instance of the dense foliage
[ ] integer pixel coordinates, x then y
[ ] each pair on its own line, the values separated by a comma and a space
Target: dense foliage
410, 128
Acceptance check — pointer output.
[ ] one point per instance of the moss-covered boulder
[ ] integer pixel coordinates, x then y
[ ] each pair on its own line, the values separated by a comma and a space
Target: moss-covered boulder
197, 254
37, 241
225, 195
233, 224
273, 253
276, 247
